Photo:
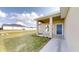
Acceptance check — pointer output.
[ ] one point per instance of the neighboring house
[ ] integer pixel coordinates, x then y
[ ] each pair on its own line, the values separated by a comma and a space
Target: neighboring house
13, 27
30, 28
50, 25
71, 30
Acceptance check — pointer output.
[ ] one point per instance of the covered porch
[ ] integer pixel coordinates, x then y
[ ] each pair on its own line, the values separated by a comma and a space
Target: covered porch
47, 25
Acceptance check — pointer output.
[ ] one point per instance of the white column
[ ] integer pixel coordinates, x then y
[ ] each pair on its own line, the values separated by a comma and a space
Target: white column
50, 27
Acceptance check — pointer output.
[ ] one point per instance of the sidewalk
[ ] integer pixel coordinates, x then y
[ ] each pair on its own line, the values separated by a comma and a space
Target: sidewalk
56, 45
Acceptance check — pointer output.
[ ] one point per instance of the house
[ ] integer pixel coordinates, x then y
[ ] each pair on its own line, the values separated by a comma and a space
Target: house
13, 27
71, 30
50, 25
64, 23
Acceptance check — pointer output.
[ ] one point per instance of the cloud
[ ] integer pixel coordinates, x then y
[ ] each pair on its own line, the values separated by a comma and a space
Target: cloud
21, 23
22, 16
26, 18
2, 14
41, 15
34, 15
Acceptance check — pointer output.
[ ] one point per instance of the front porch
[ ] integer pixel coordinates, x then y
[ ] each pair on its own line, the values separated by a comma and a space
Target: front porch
47, 26
43, 28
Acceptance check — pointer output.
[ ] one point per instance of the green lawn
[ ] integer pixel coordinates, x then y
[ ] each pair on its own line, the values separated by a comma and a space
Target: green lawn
21, 41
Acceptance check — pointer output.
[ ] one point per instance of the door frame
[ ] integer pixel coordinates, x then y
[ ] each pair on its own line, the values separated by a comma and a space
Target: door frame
56, 28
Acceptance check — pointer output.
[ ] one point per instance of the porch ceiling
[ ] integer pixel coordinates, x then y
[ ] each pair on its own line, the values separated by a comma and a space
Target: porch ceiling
44, 20
47, 20
57, 17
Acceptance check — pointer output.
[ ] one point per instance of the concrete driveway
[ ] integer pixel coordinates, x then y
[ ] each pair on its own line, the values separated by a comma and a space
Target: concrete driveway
57, 44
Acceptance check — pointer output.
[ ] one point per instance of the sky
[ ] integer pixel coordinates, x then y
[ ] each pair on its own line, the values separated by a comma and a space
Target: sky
24, 15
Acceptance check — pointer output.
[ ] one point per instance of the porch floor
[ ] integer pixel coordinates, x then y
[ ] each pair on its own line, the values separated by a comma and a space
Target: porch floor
57, 44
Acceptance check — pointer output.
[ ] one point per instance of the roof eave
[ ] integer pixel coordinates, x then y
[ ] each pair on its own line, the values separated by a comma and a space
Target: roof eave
44, 17
64, 11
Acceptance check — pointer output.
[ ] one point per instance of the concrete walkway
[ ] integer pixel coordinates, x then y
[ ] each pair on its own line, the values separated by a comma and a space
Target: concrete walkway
57, 44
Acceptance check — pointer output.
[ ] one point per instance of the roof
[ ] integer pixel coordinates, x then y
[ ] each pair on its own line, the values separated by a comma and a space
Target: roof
50, 15
17, 25
64, 11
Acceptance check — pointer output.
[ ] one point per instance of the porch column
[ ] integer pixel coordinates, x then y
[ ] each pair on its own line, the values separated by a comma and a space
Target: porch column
51, 27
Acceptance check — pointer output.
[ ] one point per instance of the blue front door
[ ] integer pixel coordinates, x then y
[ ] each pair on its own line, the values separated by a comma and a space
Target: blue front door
59, 29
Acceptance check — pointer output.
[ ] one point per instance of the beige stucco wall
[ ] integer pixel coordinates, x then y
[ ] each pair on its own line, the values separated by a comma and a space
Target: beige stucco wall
72, 29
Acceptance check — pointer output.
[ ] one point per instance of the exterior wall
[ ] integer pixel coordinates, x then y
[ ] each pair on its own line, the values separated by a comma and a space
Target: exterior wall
72, 28
18, 28
7, 28
12, 28
30, 28
57, 21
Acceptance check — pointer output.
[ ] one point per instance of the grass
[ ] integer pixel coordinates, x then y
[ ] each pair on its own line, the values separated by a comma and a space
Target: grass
21, 41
